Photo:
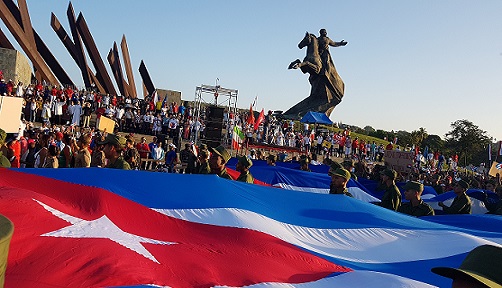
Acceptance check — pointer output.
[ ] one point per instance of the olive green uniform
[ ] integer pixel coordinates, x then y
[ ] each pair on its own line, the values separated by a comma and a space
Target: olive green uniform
391, 198
422, 209
245, 177
203, 169
120, 163
4, 162
499, 210
224, 174
461, 205
344, 192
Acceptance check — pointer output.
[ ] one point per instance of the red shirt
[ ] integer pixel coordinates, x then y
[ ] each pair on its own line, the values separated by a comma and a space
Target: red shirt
16, 148
10, 86
143, 150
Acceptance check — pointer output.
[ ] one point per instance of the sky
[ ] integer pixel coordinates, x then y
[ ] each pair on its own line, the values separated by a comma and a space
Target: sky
407, 65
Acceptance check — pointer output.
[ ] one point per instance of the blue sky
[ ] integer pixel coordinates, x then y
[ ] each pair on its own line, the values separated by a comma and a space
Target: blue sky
408, 64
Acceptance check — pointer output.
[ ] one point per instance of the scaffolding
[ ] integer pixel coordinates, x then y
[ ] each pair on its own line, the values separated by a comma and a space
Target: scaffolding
227, 98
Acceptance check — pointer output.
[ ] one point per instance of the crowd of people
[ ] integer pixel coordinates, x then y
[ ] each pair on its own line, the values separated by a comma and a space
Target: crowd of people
66, 139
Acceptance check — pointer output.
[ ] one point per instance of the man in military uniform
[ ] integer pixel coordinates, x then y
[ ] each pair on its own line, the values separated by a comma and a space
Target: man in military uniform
392, 196
339, 179
203, 164
481, 268
304, 164
416, 207
461, 203
243, 165
4, 161
114, 145
271, 159
217, 161
348, 165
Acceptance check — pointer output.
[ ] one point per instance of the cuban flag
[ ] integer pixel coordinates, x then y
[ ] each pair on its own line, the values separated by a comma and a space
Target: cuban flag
288, 176
103, 228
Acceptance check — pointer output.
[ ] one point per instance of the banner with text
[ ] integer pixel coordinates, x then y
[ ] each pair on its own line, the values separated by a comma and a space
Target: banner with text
401, 161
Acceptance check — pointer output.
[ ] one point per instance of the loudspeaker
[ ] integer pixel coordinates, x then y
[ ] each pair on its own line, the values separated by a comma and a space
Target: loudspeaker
215, 113
213, 134
211, 143
212, 125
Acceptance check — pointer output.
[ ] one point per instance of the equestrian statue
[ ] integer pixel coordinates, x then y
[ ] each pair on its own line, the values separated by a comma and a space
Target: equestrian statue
327, 86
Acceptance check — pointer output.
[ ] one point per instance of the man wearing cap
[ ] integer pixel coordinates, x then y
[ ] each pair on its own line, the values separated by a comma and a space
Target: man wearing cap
114, 145
348, 165
202, 163
339, 179
243, 165
392, 197
271, 159
494, 206
171, 158
416, 207
188, 158
4, 162
461, 203
304, 163
219, 157
481, 268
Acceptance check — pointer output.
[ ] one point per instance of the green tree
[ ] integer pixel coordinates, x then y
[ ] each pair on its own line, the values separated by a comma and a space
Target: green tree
467, 140
369, 129
418, 136
434, 142
379, 134
403, 138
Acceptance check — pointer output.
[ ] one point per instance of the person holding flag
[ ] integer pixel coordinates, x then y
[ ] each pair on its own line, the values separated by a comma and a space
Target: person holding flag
243, 165
217, 161
237, 137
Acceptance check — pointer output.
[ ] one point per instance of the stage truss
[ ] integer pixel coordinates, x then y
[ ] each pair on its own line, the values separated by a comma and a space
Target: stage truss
222, 97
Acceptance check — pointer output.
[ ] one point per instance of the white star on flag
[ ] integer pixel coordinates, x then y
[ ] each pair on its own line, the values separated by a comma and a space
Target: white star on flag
102, 228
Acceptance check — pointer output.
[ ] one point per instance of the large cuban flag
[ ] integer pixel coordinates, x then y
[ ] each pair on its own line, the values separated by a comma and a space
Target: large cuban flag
288, 176
104, 228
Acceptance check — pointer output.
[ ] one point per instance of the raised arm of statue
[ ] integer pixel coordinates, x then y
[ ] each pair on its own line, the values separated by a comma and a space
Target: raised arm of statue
336, 44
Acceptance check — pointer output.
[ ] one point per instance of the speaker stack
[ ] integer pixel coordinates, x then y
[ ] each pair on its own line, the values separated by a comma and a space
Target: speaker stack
214, 126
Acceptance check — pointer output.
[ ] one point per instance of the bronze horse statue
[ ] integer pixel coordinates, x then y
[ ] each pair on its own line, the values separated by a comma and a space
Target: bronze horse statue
327, 88
312, 62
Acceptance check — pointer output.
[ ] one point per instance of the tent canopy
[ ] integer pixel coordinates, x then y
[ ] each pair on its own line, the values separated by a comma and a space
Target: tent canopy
316, 118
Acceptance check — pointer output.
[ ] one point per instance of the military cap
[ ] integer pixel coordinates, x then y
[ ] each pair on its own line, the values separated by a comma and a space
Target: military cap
463, 184
348, 162
334, 165
245, 161
414, 185
221, 151
344, 173
391, 173
482, 265
3, 135
203, 147
114, 139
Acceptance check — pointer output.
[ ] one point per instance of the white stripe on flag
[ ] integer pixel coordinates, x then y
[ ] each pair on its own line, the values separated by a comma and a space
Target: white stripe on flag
356, 245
